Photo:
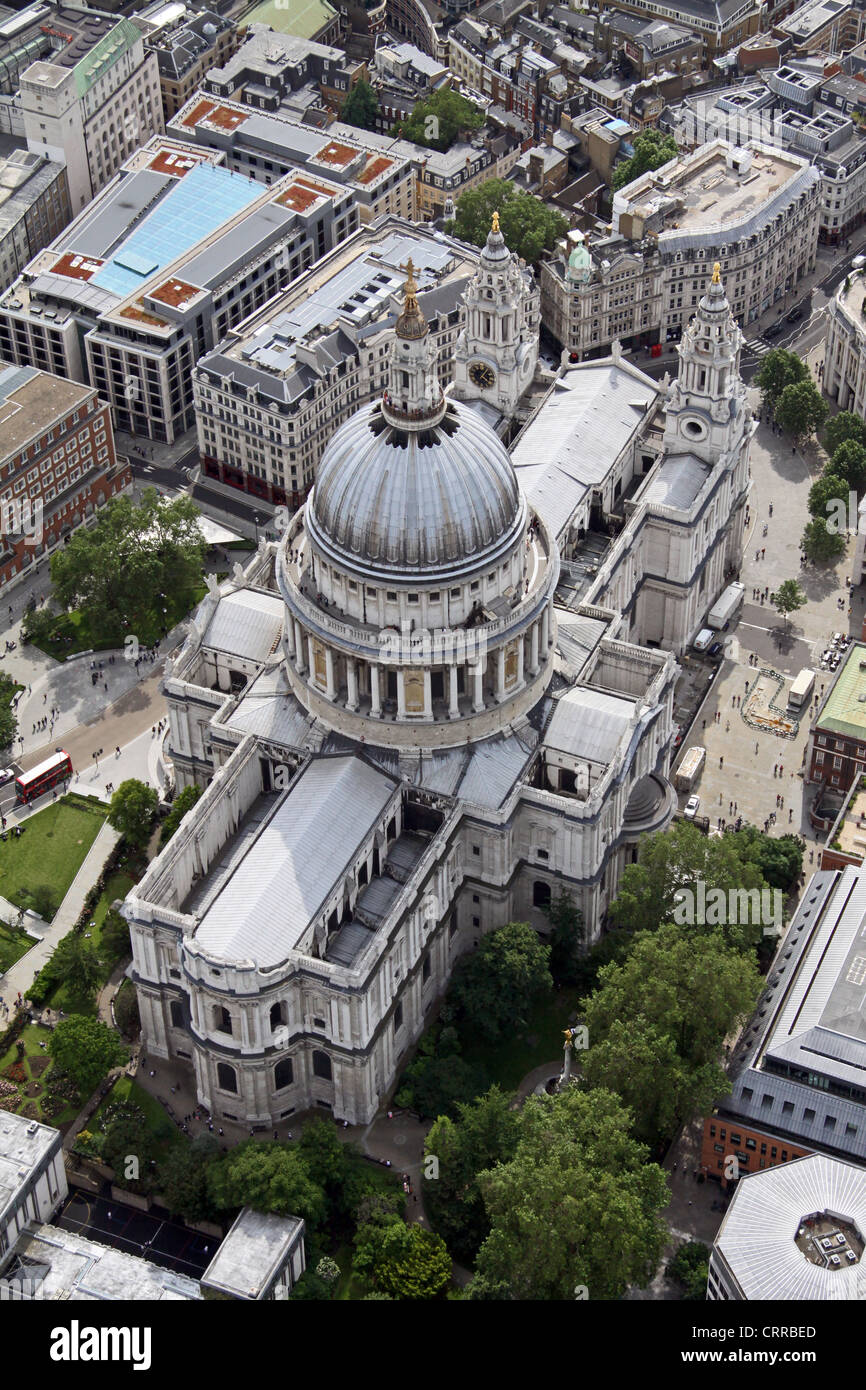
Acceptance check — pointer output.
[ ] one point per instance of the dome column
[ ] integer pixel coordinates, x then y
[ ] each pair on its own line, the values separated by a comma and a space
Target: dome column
428, 694
533, 650
500, 674
352, 683
478, 691
299, 647
453, 707
375, 693
545, 633
401, 695
331, 689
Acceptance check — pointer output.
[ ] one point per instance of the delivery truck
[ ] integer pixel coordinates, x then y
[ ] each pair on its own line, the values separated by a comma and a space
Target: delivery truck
726, 607
690, 768
801, 689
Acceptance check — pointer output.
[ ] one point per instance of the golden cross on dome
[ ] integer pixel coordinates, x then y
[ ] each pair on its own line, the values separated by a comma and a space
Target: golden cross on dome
411, 287
495, 223
717, 274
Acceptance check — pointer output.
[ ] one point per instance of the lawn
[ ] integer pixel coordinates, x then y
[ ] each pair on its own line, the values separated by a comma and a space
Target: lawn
37, 1106
37, 869
507, 1062
63, 634
13, 945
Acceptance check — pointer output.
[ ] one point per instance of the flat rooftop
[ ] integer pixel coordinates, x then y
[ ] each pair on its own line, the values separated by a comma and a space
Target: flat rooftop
31, 401
72, 1267
21, 1151
844, 709
303, 18
254, 1249
708, 192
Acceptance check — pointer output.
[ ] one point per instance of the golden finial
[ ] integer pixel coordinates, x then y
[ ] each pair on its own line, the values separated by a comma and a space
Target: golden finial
411, 322
411, 287
495, 224
717, 274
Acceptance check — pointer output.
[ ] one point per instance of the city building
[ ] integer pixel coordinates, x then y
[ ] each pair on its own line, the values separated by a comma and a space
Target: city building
32, 1175
378, 171
34, 208
844, 378
722, 24
823, 26
80, 88
269, 396
797, 1075
795, 109
175, 252
58, 465
261, 1258
753, 208
50, 1262
269, 67
385, 174
795, 1233
648, 47
414, 722
836, 752
187, 45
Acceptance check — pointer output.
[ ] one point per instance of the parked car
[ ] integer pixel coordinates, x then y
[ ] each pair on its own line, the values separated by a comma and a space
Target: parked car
6, 775
774, 330
691, 807
717, 648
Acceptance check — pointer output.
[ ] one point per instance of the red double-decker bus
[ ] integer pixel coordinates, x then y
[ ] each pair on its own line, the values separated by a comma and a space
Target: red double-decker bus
44, 776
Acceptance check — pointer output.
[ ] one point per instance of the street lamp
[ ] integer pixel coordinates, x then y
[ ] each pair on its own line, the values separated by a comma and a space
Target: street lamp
256, 521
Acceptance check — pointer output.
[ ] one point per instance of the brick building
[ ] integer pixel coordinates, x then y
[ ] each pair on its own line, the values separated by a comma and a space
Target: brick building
836, 754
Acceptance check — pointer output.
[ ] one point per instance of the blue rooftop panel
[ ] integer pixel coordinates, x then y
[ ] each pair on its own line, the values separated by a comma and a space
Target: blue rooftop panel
193, 208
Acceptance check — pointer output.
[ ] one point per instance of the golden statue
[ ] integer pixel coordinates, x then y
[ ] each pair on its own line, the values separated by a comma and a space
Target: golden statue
717, 274
495, 224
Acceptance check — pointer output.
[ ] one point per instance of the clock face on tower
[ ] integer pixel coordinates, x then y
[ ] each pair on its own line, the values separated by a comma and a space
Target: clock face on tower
482, 375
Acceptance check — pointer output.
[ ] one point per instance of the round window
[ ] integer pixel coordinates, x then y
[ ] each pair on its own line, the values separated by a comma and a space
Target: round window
694, 429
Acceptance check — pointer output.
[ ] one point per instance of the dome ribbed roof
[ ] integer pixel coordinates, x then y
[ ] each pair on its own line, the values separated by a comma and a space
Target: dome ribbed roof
437, 498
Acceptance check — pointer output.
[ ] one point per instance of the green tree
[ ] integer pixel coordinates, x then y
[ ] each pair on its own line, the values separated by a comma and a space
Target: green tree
87, 1049
674, 860
660, 1089
8, 719
76, 962
485, 1132
527, 224
578, 1205
133, 807
361, 107
566, 940
183, 802
779, 369
406, 1262
688, 987
126, 1137
788, 598
328, 1270
828, 493
691, 1268
267, 1177
439, 119
820, 544
652, 149
114, 938
801, 410
779, 858
496, 987
183, 1181
131, 563
842, 427
849, 463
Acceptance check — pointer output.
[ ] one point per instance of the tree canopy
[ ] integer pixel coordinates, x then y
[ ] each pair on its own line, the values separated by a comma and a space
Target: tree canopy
405, 1262
75, 961
577, 1207
566, 939
495, 986
788, 598
801, 409
842, 427
361, 106
438, 120
827, 494
820, 543
87, 1049
183, 1178
652, 149
183, 802
267, 1177
121, 569
528, 225
849, 464
485, 1132
8, 719
133, 807
779, 369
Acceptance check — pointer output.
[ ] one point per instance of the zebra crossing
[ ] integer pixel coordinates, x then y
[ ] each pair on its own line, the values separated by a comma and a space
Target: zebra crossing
757, 347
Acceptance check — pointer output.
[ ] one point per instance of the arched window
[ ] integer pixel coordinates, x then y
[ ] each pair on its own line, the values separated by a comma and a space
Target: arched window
279, 1014
222, 1019
322, 1066
284, 1074
226, 1078
540, 894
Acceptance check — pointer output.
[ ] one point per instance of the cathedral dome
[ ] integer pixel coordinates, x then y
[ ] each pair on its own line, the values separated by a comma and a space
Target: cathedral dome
443, 498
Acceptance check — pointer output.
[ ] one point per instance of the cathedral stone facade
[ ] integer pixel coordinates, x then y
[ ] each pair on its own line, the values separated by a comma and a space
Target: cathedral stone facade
424, 713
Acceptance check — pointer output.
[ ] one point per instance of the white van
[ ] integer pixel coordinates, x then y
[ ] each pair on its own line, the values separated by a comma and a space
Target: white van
704, 639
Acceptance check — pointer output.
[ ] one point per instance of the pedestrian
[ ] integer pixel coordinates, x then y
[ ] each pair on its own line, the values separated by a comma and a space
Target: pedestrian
770, 509
756, 750
727, 726
763, 552
721, 762
781, 769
